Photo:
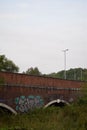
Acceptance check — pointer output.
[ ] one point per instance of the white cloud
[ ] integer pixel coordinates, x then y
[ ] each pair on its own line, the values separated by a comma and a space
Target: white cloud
13, 16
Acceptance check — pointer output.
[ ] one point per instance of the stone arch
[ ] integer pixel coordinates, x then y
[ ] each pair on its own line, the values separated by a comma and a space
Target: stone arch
56, 101
8, 108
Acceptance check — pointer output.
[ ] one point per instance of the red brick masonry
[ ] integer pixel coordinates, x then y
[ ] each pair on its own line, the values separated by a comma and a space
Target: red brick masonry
23, 79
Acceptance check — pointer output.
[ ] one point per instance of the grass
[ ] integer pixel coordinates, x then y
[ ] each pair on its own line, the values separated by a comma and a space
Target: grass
73, 117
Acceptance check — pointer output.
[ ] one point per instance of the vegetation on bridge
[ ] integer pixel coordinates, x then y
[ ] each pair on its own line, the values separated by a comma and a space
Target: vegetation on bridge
72, 74
79, 74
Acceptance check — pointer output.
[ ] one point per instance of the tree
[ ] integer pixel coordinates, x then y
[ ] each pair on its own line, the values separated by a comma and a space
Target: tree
7, 65
71, 74
33, 71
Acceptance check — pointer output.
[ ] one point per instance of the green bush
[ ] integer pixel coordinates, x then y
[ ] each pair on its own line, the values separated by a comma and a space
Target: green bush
72, 117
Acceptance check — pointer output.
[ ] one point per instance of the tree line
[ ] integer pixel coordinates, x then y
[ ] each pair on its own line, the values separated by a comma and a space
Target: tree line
8, 65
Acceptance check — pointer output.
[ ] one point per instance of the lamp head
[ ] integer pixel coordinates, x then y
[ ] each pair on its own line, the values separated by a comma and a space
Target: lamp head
65, 50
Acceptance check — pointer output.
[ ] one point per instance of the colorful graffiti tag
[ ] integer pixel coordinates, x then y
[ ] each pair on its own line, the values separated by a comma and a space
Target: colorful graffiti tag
24, 104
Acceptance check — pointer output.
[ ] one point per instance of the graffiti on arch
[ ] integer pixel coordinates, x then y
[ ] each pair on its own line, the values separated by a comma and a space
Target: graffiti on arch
24, 104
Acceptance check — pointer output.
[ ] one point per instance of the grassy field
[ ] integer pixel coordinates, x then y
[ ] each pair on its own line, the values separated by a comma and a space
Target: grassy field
73, 117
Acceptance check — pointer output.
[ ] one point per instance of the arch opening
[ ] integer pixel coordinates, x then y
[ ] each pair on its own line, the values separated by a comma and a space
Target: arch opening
57, 103
61, 104
7, 109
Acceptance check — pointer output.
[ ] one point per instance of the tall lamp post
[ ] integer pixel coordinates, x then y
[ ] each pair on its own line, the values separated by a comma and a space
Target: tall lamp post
65, 62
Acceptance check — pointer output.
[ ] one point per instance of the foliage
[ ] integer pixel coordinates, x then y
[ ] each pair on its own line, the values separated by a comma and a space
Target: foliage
72, 117
72, 74
7, 65
33, 71
82, 100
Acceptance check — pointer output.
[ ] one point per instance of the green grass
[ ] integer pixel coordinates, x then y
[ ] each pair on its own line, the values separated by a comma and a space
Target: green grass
72, 117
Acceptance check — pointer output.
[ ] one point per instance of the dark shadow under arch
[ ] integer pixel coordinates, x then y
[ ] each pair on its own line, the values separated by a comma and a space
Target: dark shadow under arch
57, 102
8, 108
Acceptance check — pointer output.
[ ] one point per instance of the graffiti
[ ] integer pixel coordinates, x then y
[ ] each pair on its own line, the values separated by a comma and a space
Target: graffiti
24, 104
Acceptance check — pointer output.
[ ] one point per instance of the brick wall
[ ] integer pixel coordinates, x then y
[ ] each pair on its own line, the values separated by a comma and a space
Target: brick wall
23, 79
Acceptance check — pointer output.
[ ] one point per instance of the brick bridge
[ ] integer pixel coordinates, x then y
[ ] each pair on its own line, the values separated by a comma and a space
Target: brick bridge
21, 92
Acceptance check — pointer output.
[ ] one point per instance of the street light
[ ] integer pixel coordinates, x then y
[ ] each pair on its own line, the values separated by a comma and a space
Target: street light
65, 62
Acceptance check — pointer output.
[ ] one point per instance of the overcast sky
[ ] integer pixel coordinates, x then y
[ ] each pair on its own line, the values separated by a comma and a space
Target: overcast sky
34, 33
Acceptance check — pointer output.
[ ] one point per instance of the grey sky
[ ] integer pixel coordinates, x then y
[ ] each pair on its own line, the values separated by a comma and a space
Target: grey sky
34, 33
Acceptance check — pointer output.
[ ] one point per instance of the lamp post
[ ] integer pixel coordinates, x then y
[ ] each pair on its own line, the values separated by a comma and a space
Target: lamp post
65, 62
